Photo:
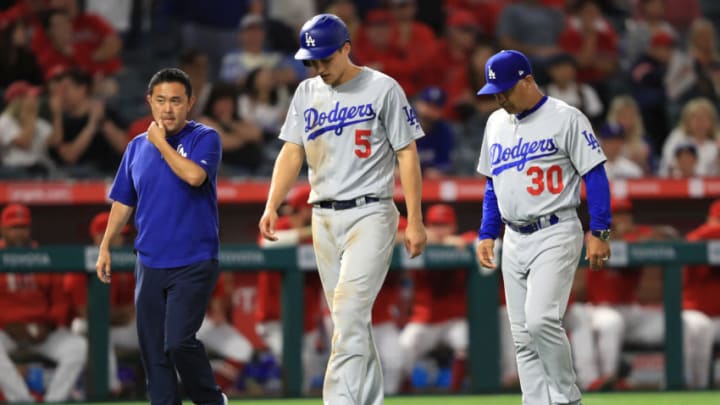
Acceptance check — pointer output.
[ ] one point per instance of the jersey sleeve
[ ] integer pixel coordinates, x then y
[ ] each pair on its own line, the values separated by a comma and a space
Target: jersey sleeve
484, 166
294, 126
581, 144
207, 152
399, 118
123, 188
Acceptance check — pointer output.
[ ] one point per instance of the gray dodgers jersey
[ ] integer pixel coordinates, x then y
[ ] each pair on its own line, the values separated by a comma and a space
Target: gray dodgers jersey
537, 162
350, 134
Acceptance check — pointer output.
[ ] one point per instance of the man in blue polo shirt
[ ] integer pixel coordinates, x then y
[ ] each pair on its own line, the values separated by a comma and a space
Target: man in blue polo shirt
168, 175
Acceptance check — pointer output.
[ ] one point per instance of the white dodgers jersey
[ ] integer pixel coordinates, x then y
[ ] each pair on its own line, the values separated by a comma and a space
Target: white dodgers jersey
537, 159
350, 134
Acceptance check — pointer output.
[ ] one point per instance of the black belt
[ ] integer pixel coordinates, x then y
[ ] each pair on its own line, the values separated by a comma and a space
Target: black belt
345, 204
552, 219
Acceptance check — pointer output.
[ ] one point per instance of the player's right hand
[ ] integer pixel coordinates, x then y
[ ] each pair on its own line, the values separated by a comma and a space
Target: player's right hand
267, 225
102, 266
486, 254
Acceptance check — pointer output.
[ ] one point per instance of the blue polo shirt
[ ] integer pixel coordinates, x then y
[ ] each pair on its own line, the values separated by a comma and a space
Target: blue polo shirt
177, 224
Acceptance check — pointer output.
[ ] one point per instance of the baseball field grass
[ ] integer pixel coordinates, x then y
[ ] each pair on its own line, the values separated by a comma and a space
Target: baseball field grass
640, 398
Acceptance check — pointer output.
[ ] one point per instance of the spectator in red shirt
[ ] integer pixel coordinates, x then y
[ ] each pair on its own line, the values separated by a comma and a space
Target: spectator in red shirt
701, 306
294, 229
626, 305
590, 38
378, 47
410, 33
439, 305
79, 39
486, 13
454, 51
34, 312
388, 316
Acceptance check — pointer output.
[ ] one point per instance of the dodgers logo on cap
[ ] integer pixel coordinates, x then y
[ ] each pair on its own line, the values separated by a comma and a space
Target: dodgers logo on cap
503, 70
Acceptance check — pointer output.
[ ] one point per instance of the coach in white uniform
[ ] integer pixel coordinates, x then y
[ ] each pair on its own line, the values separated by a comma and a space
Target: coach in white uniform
350, 122
534, 153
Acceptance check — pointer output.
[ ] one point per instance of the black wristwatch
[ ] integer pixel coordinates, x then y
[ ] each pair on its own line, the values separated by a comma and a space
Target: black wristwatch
602, 234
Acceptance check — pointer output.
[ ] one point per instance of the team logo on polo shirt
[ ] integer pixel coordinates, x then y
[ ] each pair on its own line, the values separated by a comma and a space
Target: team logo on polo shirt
181, 151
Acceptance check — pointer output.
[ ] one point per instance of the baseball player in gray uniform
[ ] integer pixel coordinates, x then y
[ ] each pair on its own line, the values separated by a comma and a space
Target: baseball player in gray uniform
350, 123
535, 151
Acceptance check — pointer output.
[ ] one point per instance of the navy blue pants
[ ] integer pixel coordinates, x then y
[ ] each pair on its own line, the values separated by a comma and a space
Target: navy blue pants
170, 306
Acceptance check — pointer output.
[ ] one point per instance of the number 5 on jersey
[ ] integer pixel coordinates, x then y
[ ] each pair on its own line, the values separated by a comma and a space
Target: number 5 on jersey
550, 179
363, 148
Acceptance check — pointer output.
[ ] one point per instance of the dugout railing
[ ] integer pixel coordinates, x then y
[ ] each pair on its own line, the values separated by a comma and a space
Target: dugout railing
482, 298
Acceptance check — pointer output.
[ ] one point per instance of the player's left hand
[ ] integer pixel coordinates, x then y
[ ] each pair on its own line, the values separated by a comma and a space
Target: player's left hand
597, 252
156, 133
415, 238
267, 225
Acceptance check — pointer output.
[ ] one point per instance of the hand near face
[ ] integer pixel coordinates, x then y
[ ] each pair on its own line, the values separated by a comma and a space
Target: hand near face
156, 133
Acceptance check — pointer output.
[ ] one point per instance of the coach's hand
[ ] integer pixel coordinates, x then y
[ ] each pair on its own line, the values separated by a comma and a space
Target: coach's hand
486, 253
597, 252
156, 133
415, 238
267, 225
102, 266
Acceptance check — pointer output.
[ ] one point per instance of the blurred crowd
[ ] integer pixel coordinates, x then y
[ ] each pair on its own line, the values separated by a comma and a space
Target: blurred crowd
74, 72
73, 75
419, 319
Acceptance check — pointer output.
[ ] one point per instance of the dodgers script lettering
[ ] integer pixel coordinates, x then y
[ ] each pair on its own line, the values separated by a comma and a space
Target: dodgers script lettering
518, 155
336, 119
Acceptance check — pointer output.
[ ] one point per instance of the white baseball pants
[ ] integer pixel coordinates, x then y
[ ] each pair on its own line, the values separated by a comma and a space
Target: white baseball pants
353, 249
538, 271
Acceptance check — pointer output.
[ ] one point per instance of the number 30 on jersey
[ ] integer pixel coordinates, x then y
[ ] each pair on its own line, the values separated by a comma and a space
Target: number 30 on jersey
550, 179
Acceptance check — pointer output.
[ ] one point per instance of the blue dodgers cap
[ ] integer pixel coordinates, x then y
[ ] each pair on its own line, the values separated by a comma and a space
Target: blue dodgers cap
321, 36
503, 70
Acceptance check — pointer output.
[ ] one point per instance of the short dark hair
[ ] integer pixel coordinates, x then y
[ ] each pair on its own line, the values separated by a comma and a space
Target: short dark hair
170, 75
79, 77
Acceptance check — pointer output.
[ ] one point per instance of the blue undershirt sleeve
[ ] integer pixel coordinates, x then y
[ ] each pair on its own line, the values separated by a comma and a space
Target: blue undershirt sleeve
491, 220
597, 189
